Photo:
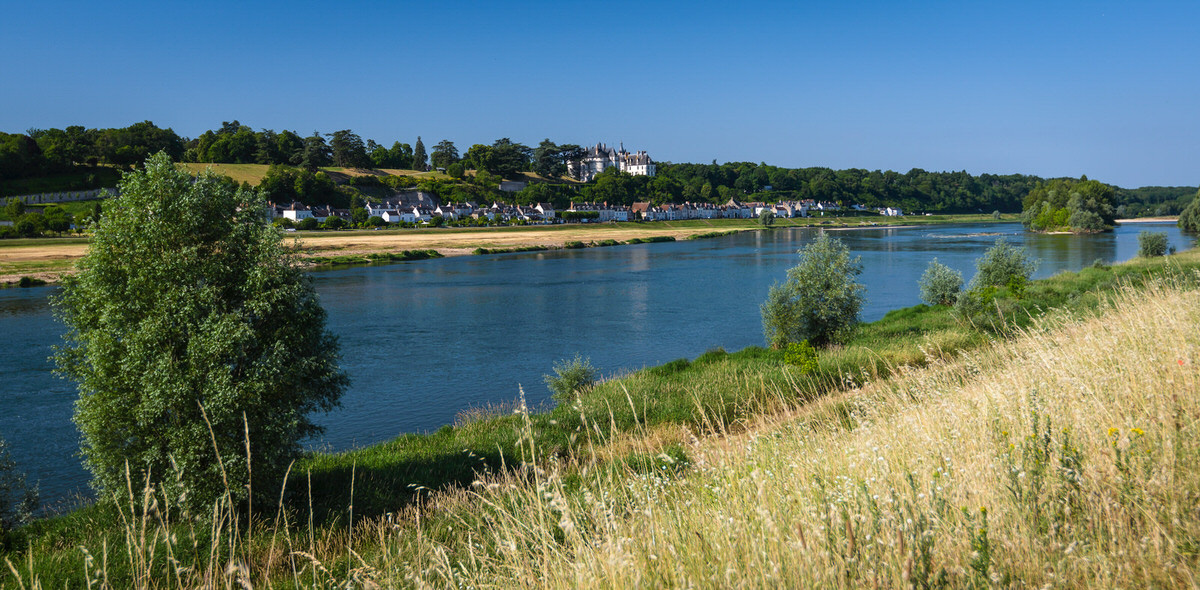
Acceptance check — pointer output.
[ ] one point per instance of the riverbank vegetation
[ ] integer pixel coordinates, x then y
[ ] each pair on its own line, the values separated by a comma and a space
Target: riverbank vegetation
1069, 205
740, 465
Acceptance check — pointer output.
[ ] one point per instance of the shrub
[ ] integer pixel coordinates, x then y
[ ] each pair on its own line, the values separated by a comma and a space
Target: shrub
1000, 264
820, 300
193, 334
1189, 219
996, 214
308, 223
1152, 243
766, 218
376, 221
940, 284
571, 377
803, 355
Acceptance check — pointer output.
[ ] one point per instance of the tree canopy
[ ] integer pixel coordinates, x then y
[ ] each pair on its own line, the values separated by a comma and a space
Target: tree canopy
192, 332
1063, 204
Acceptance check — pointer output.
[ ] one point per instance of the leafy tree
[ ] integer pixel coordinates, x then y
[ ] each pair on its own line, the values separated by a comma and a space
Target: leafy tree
1189, 219
940, 284
444, 154
455, 170
820, 300
400, 156
376, 221
308, 223
190, 326
348, 150
290, 148
1003, 264
14, 208
56, 218
571, 377
18, 500
316, 153
418, 155
1152, 244
766, 218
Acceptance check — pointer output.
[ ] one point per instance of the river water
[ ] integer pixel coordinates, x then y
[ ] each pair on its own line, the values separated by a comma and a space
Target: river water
424, 340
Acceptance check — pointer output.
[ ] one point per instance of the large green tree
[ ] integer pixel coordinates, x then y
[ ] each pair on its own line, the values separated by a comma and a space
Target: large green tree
192, 332
419, 158
444, 154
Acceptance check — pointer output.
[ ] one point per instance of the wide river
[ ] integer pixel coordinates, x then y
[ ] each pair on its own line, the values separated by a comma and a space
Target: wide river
424, 340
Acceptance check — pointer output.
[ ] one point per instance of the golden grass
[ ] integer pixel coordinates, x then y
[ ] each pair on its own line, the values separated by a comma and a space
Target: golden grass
1065, 458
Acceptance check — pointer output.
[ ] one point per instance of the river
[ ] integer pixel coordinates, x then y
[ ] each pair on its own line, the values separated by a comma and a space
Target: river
424, 340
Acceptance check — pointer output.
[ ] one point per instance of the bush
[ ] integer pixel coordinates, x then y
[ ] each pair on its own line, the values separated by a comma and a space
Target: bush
571, 378
1189, 219
192, 335
766, 218
376, 221
803, 355
1152, 243
18, 501
820, 300
1000, 264
940, 284
996, 214
308, 223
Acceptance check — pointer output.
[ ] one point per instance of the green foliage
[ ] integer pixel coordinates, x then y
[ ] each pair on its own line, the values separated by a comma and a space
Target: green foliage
996, 214
308, 223
1152, 243
455, 170
820, 300
766, 218
376, 221
571, 378
192, 335
803, 355
1189, 219
1069, 205
940, 284
18, 500
1001, 263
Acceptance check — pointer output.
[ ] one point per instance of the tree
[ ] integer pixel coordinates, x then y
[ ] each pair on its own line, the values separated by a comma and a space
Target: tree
444, 154
1189, 219
766, 218
820, 300
418, 155
1152, 243
348, 150
1002, 265
192, 332
940, 284
316, 153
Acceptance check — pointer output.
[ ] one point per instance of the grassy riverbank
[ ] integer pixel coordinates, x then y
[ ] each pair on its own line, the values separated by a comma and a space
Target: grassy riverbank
47, 259
808, 475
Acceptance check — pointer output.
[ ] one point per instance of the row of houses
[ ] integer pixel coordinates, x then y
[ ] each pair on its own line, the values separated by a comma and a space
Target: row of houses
424, 210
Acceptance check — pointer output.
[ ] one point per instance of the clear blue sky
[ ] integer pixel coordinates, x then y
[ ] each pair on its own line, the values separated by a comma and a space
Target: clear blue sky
1107, 89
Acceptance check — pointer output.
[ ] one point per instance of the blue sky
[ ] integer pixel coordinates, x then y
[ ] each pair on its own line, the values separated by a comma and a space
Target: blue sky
1107, 89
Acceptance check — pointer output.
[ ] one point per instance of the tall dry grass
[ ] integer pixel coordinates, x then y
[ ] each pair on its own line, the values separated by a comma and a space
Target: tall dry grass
1067, 457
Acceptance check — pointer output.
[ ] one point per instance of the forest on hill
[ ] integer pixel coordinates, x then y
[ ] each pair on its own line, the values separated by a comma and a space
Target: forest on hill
77, 158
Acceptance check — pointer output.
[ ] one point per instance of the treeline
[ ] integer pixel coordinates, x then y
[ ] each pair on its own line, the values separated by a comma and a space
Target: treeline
475, 173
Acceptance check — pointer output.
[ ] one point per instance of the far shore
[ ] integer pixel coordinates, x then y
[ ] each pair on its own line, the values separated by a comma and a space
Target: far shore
49, 259
1150, 219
